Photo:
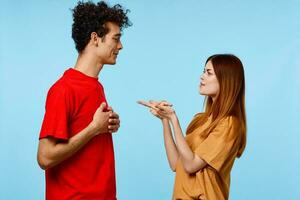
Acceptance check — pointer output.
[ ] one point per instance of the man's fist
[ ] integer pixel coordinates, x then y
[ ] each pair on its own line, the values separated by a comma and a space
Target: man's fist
100, 119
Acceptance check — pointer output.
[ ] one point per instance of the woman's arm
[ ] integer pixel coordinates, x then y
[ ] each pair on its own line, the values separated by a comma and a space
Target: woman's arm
170, 146
191, 162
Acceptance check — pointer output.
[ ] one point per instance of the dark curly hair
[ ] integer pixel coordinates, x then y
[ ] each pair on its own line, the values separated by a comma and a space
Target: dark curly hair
89, 17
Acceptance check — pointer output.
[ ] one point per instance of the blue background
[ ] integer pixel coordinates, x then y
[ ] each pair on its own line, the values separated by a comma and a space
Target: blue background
163, 57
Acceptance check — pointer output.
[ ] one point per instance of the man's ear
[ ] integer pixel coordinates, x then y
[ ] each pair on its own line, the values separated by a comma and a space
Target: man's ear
94, 38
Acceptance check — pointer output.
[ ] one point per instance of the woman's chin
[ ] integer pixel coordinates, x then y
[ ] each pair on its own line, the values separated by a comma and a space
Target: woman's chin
201, 91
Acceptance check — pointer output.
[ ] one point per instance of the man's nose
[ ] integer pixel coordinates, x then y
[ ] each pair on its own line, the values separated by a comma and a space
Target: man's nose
120, 45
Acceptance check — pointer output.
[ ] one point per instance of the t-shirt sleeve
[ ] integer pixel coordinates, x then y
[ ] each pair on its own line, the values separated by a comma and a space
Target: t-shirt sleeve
221, 145
57, 109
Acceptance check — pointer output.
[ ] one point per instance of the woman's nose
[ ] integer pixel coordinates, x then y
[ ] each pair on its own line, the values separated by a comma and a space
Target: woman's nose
201, 77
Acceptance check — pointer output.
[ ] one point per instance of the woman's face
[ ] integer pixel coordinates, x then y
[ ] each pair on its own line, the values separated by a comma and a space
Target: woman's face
209, 84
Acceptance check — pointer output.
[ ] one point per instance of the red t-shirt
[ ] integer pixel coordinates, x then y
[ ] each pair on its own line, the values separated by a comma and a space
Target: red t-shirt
90, 173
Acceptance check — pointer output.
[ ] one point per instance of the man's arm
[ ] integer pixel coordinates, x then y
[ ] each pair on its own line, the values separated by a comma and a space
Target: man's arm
52, 151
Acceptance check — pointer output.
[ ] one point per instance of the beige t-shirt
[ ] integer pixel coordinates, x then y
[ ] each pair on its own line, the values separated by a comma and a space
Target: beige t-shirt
219, 150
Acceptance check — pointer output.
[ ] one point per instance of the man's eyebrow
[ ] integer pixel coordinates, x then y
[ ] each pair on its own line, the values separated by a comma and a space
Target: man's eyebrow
118, 35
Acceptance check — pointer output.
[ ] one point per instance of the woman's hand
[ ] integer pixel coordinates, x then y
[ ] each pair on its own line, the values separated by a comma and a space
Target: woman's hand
165, 110
161, 109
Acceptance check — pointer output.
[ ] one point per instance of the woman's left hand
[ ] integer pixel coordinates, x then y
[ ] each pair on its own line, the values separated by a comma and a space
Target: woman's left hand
165, 109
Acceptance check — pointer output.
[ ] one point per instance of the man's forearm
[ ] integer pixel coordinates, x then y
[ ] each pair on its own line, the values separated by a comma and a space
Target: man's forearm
51, 153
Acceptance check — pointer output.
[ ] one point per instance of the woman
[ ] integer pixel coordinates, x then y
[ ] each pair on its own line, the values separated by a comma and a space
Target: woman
204, 158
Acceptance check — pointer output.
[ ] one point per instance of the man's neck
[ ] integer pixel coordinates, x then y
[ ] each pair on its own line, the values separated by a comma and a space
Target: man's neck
88, 65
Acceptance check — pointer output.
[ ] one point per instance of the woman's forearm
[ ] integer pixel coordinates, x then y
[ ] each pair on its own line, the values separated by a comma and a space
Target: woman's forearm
170, 146
182, 146
191, 162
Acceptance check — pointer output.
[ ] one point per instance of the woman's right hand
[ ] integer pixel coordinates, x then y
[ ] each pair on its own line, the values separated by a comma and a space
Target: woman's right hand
153, 105
154, 110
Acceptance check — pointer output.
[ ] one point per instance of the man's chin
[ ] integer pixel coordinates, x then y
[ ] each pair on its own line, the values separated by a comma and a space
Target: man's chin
111, 63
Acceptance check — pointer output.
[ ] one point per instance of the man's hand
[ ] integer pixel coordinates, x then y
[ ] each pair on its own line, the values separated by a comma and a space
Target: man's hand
113, 121
100, 121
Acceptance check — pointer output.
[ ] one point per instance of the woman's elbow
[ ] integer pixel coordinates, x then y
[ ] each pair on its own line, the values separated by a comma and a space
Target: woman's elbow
194, 165
173, 168
188, 169
192, 168
173, 165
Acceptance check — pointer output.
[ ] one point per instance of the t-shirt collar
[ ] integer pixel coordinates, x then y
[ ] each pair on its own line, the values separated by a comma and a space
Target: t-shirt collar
79, 74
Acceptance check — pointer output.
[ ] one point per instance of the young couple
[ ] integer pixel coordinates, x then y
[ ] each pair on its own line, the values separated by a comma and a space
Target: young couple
75, 142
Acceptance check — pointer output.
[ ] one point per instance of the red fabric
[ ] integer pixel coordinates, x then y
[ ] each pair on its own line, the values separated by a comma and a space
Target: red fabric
90, 173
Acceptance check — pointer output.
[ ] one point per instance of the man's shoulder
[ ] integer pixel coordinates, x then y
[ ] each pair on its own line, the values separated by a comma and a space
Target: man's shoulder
60, 86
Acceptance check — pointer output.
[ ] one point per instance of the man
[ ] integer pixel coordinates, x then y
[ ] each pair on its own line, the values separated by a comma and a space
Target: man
75, 146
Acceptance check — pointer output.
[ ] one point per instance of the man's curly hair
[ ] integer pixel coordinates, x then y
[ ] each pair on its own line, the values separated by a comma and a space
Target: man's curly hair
89, 17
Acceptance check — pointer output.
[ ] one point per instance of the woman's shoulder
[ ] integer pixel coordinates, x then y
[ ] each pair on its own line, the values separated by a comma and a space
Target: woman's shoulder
230, 123
229, 120
198, 114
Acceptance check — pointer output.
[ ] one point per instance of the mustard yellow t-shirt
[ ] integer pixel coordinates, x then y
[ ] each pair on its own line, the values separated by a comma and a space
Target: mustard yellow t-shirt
219, 150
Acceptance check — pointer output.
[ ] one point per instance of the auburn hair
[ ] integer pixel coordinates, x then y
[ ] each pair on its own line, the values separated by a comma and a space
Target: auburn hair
230, 101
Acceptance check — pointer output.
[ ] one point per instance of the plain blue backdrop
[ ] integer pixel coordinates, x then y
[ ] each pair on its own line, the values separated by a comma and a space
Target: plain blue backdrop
163, 57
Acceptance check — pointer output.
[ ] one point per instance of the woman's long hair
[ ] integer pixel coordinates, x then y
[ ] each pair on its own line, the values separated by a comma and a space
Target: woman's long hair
230, 100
